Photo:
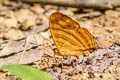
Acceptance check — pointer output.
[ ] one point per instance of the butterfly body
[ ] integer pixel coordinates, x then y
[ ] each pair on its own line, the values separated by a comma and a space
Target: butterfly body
69, 37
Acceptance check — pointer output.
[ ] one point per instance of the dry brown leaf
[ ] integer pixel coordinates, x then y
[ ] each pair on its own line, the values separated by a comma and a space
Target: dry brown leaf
11, 51
12, 47
26, 18
10, 20
28, 57
18, 46
13, 34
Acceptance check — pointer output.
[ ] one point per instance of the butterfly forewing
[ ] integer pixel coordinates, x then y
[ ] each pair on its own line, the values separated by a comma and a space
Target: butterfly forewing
69, 38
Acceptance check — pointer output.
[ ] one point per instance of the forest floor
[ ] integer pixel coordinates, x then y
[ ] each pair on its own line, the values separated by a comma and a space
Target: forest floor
20, 22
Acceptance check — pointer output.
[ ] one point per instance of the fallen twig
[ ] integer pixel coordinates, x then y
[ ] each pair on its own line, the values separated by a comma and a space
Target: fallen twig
95, 4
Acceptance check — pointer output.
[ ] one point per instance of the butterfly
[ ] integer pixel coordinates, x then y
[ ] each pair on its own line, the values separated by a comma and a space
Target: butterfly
69, 38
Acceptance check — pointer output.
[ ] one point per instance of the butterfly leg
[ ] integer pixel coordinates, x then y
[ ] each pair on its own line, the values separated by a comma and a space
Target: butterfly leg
55, 51
57, 63
74, 61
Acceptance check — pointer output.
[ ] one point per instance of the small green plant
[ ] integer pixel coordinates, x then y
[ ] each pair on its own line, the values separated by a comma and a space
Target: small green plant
26, 72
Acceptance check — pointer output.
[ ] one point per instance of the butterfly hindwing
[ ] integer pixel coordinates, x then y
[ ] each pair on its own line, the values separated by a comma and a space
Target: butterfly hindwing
69, 38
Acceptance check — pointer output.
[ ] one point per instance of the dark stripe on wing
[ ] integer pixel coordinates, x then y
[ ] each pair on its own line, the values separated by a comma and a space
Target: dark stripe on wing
66, 38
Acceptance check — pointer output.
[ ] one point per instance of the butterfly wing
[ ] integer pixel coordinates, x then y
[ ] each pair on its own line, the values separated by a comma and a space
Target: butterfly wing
69, 38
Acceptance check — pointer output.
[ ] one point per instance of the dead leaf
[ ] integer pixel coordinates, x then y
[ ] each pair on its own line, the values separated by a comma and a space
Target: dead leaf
11, 50
13, 34
28, 57
27, 18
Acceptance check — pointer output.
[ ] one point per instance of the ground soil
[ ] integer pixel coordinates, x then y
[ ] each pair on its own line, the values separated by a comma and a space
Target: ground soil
17, 20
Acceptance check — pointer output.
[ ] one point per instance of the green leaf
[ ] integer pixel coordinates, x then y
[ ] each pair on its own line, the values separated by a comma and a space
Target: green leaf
26, 72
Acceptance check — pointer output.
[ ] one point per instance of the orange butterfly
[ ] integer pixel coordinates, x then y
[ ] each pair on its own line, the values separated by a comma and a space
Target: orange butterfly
69, 37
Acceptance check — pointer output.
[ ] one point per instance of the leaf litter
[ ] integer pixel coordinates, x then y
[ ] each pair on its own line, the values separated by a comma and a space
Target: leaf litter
103, 63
